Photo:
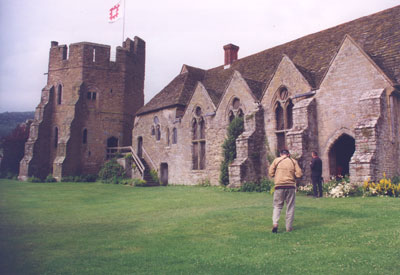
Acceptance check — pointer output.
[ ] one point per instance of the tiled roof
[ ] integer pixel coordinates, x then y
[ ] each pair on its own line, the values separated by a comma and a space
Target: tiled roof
377, 34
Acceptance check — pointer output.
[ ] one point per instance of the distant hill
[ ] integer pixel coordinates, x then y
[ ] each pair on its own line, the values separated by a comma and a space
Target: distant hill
10, 120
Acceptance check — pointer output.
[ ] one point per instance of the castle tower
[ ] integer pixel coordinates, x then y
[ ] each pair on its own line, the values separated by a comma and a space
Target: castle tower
88, 105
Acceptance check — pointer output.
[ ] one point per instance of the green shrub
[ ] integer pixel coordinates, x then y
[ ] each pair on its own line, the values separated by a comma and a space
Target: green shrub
395, 180
204, 183
67, 179
111, 172
154, 176
236, 127
264, 185
139, 183
50, 178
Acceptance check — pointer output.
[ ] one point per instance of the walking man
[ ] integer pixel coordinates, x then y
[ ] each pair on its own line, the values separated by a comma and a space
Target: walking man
316, 174
284, 170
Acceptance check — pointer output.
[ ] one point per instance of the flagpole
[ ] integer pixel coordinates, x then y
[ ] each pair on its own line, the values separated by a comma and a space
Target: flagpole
123, 25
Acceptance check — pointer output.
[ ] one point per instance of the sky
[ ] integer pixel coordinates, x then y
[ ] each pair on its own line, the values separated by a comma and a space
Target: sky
176, 32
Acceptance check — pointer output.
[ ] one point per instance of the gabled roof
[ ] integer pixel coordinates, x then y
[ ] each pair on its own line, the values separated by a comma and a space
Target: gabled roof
377, 34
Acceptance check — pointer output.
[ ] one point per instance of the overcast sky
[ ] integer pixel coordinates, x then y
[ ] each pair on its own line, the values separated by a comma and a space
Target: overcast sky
176, 32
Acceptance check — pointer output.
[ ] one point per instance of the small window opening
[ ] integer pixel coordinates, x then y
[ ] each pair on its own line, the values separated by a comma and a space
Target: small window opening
55, 137
59, 94
84, 136
174, 136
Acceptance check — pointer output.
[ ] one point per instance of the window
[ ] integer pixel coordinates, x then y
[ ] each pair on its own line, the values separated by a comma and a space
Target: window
231, 116
84, 136
174, 136
236, 103
158, 132
94, 55
279, 117
59, 94
91, 95
153, 130
55, 137
283, 117
198, 141
235, 110
167, 136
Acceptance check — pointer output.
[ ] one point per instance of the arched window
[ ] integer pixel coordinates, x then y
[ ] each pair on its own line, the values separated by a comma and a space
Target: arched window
236, 103
174, 136
231, 116
194, 129
84, 136
59, 94
240, 113
289, 115
55, 137
198, 144
153, 130
202, 128
280, 122
158, 132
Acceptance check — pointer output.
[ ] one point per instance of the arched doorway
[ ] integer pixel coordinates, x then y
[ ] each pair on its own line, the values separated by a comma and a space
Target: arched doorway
112, 142
340, 154
164, 173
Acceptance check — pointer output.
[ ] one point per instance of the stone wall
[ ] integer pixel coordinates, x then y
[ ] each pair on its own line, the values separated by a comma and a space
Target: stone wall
92, 94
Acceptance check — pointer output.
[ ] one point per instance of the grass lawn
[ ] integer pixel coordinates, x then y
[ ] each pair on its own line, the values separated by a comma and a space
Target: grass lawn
94, 228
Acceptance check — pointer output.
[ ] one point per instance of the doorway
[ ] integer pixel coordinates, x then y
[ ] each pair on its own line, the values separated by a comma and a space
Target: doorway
340, 154
139, 147
112, 143
164, 173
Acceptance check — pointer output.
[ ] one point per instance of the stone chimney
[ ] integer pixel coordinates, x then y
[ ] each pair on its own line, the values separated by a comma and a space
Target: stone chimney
231, 53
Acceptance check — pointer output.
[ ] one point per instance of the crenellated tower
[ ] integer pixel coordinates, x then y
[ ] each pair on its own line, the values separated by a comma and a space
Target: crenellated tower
87, 106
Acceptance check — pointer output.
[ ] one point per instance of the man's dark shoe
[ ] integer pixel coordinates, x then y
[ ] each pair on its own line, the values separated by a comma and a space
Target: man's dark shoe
275, 229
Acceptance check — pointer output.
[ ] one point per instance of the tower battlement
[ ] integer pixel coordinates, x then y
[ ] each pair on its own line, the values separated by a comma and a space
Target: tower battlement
95, 55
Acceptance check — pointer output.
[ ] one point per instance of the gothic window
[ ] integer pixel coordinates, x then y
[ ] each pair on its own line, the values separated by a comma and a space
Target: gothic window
198, 144
158, 132
236, 103
59, 94
194, 129
198, 141
235, 110
289, 115
283, 116
156, 121
240, 113
231, 116
153, 130
174, 136
280, 123
202, 129
283, 93
55, 137
84, 136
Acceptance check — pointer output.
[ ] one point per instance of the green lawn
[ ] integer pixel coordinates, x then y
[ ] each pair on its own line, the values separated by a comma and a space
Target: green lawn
94, 228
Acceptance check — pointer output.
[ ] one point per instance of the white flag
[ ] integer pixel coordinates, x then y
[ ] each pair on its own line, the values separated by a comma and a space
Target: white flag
115, 12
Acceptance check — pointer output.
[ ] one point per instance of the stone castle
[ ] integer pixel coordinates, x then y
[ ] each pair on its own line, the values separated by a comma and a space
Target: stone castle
336, 92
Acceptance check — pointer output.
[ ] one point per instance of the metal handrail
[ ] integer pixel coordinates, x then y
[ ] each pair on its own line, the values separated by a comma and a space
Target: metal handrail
137, 160
135, 157
148, 157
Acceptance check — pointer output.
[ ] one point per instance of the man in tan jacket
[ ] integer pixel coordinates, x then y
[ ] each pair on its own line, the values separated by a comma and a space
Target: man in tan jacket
285, 171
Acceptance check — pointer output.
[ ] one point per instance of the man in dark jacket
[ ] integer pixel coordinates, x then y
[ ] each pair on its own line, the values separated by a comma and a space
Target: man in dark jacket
316, 173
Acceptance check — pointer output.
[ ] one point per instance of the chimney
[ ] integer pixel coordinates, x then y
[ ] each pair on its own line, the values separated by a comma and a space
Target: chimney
231, 53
